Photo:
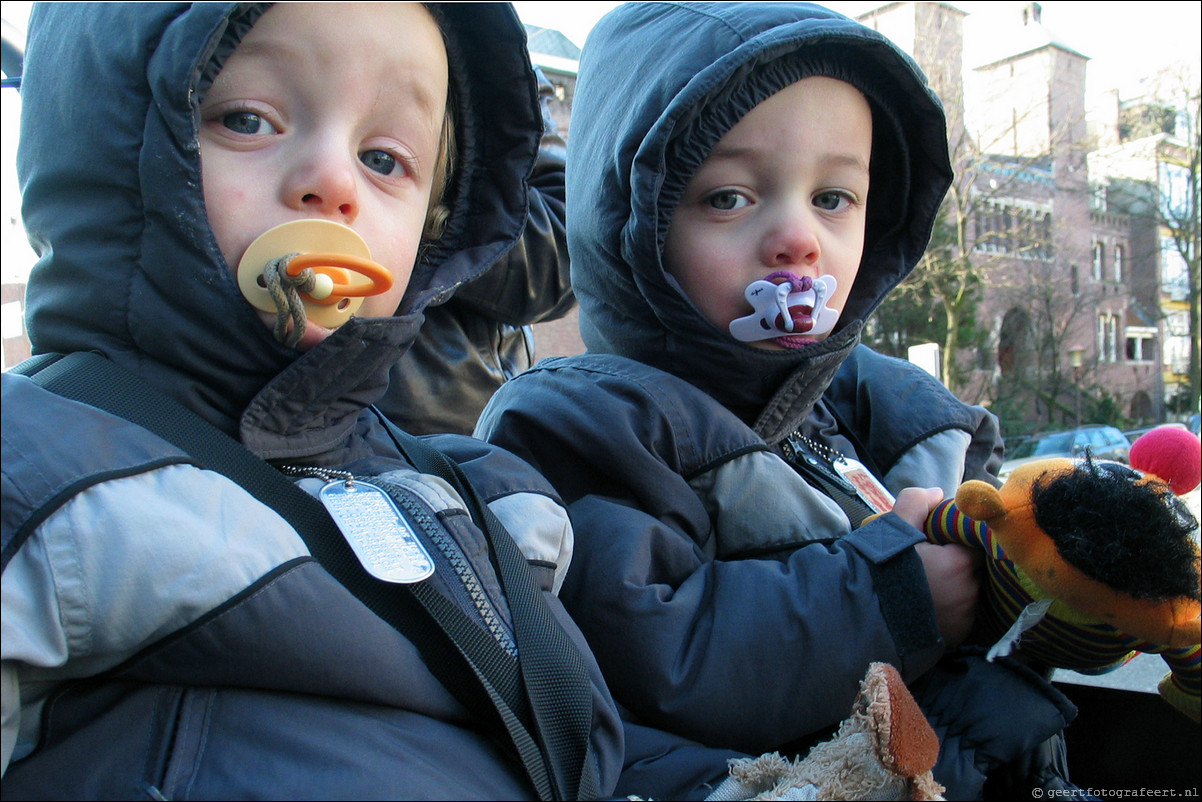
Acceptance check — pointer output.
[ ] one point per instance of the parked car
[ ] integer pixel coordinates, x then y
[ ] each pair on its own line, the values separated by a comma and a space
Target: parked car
1102, 442
1135, 434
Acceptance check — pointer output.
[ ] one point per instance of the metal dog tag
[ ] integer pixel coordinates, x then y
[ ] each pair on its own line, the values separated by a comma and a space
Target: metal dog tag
381, 538
874, 494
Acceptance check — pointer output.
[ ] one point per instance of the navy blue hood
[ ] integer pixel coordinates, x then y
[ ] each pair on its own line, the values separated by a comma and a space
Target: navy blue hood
109, 165
675, 78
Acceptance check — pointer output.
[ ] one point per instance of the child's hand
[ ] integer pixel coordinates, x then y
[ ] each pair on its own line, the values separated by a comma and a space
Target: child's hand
952, 570
914, 504
953, 577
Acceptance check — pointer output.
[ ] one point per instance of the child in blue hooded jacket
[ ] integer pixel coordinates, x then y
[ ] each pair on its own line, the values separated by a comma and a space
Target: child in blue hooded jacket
746, 183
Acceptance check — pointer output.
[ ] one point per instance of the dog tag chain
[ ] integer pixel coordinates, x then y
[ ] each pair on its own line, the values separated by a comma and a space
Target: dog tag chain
383, 540
853, 473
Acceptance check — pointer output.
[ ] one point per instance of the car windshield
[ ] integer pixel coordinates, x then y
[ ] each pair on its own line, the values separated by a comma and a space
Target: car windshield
1044, 446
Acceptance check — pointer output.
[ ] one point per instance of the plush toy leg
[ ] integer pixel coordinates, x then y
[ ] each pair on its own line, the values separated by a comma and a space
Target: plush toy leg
883, 751
1188, 703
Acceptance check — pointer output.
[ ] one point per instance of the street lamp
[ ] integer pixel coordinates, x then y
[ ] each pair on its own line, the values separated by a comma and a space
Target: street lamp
1076, 358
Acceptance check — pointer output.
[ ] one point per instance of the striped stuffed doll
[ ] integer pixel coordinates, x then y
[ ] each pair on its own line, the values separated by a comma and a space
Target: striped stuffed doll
1090, 563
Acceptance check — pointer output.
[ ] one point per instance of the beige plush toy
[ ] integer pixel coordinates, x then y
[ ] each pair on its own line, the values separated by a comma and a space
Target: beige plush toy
884, 750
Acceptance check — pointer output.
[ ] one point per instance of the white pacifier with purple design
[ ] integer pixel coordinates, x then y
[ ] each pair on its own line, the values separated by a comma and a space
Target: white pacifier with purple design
786, 305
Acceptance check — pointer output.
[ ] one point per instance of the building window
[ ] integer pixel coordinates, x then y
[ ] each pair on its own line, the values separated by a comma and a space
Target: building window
1099, 256
1141, 344
1076, 284
12, 323
1175, 189
1108, 334
1118, 263
1174, 272
1022, 230
1175, 354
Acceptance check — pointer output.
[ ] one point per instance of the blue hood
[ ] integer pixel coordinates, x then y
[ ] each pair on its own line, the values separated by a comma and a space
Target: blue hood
652, 103
109, 165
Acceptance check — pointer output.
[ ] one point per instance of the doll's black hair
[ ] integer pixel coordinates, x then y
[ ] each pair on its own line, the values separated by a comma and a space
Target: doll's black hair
1130, 535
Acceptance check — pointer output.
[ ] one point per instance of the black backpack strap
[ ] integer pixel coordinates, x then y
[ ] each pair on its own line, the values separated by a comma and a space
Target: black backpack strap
556, 679
466, 659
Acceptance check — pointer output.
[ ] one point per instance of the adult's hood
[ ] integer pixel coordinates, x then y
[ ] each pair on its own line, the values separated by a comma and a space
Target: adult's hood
109, 164
659, 85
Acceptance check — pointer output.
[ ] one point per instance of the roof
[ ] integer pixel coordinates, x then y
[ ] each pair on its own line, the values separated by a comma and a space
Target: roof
1026, 33
550, 42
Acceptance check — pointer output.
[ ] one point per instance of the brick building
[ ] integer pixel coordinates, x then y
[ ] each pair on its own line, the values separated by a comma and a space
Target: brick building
1070, 267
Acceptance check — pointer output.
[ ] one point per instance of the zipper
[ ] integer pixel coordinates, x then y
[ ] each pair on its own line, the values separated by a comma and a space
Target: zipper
469, 591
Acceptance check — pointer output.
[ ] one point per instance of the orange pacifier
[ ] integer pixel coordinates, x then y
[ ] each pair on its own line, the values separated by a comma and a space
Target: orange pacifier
318, 270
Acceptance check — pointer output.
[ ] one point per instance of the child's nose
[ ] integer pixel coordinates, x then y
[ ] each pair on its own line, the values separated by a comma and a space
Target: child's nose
325, 184
793, 240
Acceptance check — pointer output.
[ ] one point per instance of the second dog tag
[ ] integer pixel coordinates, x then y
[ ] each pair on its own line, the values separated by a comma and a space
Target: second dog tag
874, 494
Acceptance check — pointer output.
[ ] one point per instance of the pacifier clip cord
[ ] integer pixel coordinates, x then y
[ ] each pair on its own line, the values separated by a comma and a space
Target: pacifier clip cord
285, 290
295, 273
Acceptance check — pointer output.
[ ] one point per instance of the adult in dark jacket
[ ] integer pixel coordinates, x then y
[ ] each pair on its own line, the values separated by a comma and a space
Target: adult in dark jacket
722, 574
481, 336
166, 634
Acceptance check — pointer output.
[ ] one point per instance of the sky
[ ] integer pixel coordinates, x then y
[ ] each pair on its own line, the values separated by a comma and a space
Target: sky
1124, 42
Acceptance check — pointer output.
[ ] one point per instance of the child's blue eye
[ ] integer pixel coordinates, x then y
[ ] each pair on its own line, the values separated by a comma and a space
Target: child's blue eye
830, 201
247, 122
727, 201
379, 161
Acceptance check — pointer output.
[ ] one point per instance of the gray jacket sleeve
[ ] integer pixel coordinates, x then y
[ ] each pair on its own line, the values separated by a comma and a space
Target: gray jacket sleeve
531, 283
480, 337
